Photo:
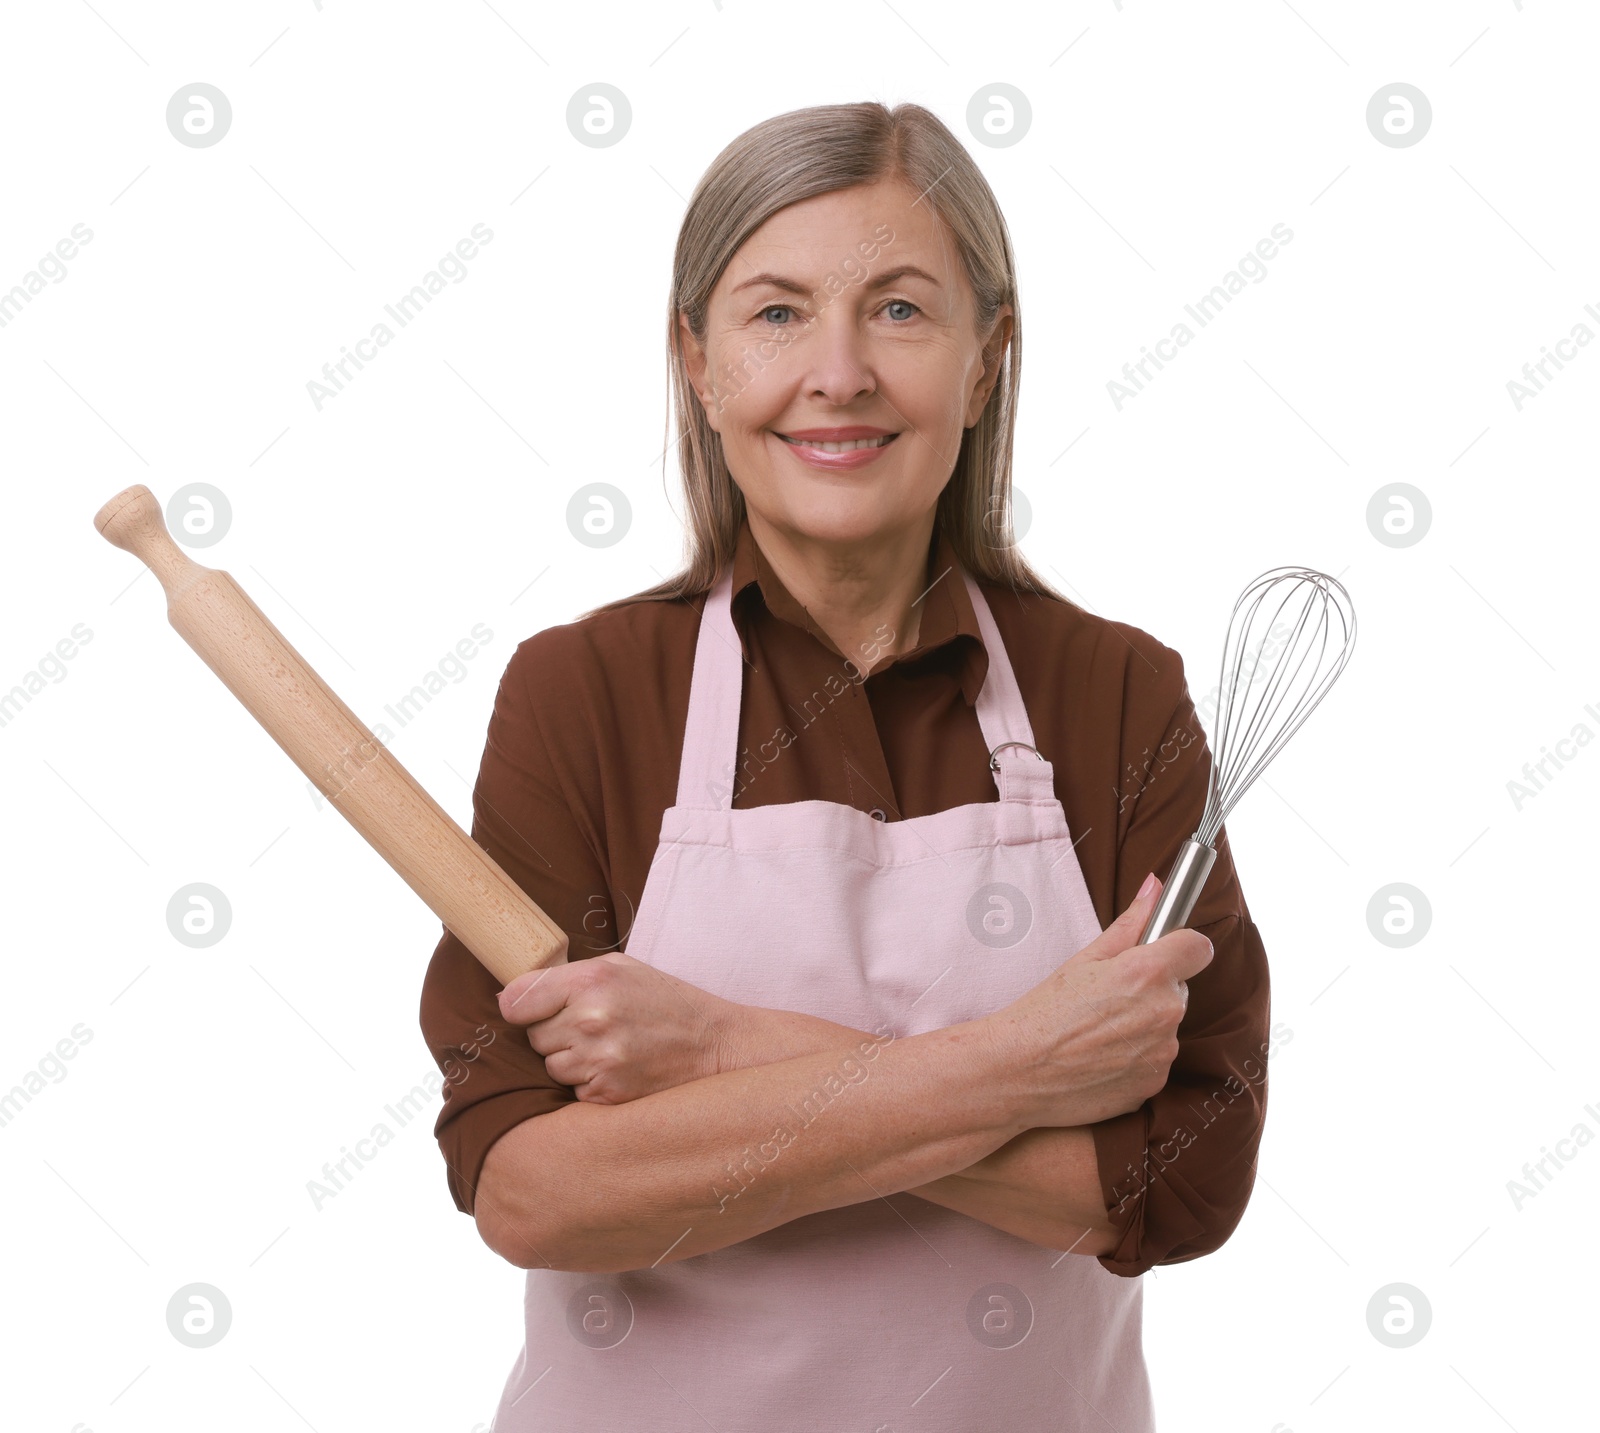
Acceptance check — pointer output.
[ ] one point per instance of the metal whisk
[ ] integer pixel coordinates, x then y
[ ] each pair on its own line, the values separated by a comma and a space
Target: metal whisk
1310, 618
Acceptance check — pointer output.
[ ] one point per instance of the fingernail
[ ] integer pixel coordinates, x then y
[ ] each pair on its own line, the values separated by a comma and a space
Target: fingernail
1147, 887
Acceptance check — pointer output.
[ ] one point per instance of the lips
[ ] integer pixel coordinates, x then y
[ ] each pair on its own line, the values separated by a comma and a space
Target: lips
839, 440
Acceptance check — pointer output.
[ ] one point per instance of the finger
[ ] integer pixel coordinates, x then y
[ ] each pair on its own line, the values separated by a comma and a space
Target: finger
566, 1067
1186, 952
558, 1033
1124, 932
535, 995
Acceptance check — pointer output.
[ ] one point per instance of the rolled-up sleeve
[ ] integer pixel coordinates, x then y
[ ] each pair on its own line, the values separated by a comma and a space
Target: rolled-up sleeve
1177, 1173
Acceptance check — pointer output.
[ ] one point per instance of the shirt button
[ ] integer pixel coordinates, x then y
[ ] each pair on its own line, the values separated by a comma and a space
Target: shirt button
877, 815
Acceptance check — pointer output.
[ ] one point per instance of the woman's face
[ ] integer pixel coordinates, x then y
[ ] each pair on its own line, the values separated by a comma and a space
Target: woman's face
845, 316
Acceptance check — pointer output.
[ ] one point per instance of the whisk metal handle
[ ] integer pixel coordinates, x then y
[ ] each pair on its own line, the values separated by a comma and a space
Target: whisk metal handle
1180, 891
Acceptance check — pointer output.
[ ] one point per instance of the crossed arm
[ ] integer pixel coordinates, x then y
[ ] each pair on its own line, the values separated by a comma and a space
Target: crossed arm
1043, 1185
569, 1189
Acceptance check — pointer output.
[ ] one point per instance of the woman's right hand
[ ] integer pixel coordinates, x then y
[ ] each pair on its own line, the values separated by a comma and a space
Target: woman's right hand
1097, 1037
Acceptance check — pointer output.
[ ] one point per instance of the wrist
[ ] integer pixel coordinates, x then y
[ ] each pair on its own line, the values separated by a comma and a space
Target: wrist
730, 1036
998, 1069
755, 1035
1010, 1062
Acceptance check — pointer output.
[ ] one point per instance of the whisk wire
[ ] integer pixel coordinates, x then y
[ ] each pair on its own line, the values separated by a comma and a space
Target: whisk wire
1281, 685
1257, 720
1256, 716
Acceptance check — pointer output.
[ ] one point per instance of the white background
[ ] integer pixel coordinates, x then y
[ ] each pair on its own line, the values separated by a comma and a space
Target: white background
1165, 141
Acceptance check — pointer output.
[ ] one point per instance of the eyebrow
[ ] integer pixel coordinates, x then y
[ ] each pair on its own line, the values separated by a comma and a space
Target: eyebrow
889, 276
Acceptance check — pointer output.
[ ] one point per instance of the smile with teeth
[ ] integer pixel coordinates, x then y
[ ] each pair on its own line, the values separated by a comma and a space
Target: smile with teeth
842, 447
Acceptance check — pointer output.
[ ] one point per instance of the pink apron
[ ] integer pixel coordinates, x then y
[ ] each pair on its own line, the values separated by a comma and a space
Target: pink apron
893, 1315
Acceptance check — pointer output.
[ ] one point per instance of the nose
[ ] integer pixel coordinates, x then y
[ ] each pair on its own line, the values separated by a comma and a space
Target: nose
838, 366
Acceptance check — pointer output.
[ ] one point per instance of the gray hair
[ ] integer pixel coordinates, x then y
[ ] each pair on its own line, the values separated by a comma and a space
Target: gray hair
796, 156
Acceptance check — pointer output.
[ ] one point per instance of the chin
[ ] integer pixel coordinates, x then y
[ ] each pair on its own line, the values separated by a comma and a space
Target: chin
841, 516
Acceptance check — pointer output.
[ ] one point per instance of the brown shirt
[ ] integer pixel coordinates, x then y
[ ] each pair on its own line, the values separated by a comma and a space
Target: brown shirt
582, 758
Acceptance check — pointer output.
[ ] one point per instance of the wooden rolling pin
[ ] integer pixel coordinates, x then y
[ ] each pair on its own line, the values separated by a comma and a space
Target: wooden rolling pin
460, 882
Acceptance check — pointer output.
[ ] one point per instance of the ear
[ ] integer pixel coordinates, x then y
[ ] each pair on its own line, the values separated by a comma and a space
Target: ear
694, 360
993, 352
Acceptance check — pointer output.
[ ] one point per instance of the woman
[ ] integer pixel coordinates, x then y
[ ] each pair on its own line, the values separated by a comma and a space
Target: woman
873, 1125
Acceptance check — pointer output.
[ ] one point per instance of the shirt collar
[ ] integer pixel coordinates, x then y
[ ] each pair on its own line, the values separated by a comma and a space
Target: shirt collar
947, 607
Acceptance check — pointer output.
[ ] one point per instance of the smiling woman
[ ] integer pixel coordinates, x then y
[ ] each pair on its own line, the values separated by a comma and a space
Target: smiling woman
912, 345
899, 231
897, 959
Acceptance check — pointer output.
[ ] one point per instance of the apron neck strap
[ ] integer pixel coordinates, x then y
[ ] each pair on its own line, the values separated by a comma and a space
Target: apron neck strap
709, 770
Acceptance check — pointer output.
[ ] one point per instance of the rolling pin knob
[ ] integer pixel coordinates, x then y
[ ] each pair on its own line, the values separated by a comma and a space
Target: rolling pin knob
133, 521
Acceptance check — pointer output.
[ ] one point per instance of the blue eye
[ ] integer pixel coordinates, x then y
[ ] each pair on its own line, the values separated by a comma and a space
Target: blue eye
766, 313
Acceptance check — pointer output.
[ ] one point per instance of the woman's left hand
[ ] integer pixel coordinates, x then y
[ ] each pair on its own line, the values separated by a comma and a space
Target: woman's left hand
616, 1029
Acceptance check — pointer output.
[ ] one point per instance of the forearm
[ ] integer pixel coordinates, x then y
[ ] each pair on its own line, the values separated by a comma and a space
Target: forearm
716, 1161
1043, 1185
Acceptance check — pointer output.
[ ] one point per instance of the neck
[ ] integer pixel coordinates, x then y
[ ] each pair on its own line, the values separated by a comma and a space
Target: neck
865, 595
